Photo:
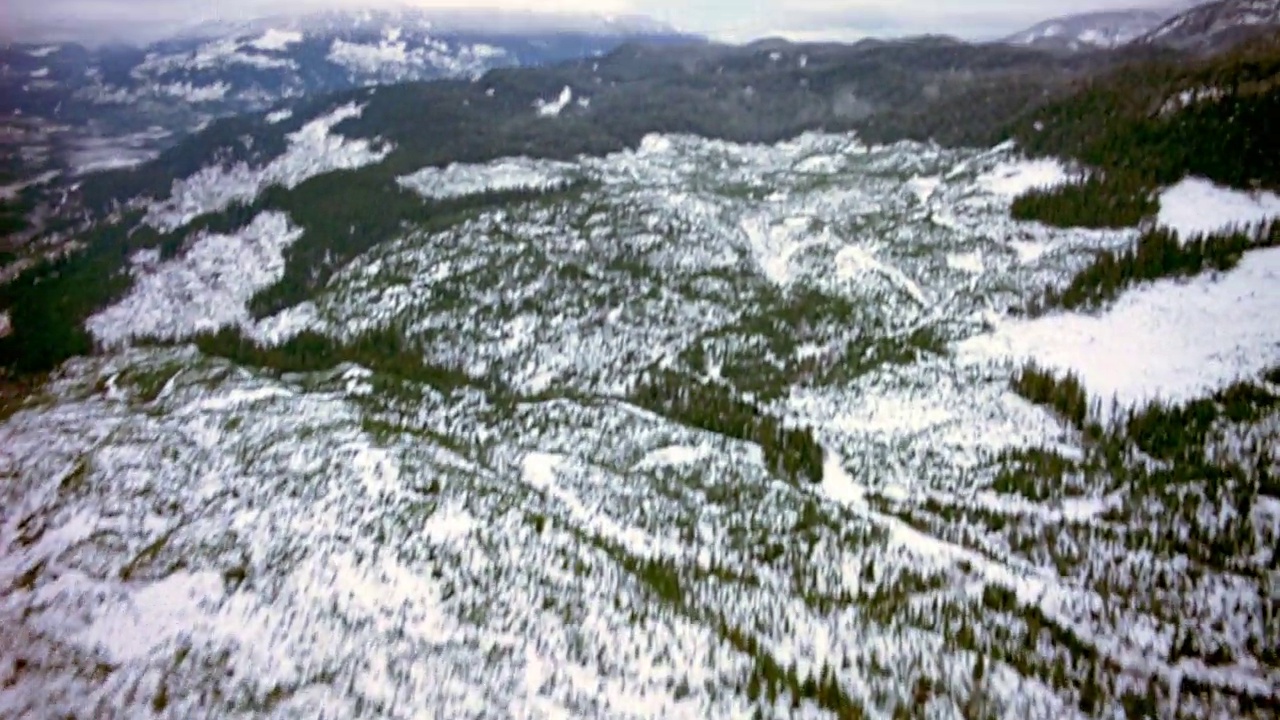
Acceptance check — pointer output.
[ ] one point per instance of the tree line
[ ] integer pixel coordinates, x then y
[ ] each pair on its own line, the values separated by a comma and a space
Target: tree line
384, 350
1159, 253
1151, 123
792, 453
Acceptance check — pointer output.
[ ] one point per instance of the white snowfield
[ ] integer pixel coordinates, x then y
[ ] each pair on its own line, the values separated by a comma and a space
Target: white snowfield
276, 40
312, 151
1170, 340
1196, 206
206, 288
460, 179
183, 536
393, 58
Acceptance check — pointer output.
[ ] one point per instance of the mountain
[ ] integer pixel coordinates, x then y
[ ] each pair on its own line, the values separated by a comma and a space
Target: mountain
139, 99
639, 386
1108, 29
1217, 24
746, 94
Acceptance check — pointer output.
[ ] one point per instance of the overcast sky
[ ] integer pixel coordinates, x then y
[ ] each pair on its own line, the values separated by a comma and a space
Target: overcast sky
732, 20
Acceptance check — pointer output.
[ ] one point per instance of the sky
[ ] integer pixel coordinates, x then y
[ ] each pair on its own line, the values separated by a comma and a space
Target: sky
729, 20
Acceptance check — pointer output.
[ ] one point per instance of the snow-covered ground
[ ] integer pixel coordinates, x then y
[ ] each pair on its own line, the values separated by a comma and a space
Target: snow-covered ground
1173, 340
1196, 206
312, 150
394, 58
465, 179
552, 108
175, 529
206, 288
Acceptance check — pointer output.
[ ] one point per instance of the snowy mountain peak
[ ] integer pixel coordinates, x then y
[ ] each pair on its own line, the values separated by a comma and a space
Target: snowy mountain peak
1091, 30
1208, 24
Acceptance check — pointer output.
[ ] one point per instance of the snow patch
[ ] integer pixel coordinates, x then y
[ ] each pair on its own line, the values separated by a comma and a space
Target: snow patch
672, 455
1010, 179
460, 179
853, 261
312, 151
392, 58
539, 469
195, 93
1196, 206
131, 625
923, 187
276, 40
552, 108
967, 262
1173, 340
278, 116
205, 289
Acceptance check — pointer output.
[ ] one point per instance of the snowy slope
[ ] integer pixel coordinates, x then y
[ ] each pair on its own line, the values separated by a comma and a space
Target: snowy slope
1091, 31
1206, 24
180, 82
182, 535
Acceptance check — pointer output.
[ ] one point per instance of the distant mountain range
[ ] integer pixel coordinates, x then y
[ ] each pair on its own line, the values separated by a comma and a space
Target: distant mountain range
1217, 23
78, 109
144, 95
1091, 31
1184, 25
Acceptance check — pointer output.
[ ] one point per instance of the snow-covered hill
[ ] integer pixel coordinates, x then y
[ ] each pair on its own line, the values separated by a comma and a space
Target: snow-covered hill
1213, 23
184, 535
171, 86
1091, 31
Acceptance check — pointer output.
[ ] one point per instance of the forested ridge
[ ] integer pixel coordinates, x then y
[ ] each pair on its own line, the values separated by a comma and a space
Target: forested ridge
385, 350
1139, 117
792, 453
342, 214
1159, 253
1152, 123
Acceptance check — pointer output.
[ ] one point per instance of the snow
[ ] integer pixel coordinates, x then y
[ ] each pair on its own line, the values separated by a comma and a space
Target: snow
10, 191
480, 558
775, 244
207, 288
672, 455
44, 52
539, 470
362, 57
209, 56
393, 58
838, 484
1196, 206
1173, 340
552, 108
285, 324
132, 625
40, 73
1010, 179
276, 40
923, 187
460, 179
966, 262
278, 116
195, 93
1029, 252
312, 151
854, 262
